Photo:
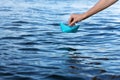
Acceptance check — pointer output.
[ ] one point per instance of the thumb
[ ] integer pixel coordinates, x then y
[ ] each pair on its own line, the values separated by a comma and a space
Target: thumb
72, 23
70, 20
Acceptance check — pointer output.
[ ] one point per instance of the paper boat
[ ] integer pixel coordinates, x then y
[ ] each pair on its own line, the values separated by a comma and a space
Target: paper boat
69, 29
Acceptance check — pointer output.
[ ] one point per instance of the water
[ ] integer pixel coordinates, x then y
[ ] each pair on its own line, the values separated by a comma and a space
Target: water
32, 46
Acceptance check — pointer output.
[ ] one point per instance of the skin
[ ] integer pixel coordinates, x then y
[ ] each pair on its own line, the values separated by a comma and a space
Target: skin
99, 6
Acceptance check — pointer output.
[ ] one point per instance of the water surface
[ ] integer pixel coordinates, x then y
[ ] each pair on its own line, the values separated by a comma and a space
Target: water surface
32, 46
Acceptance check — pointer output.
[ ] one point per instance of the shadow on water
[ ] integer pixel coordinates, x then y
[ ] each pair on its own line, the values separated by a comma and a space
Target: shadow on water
76, 67
80, 67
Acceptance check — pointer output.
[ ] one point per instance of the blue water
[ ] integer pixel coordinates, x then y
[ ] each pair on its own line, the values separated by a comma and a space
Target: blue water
32, 46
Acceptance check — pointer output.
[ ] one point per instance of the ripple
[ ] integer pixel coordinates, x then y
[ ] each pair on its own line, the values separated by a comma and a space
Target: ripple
95, 63
6, 74
61, 14
14, 28
9, 38
49, 67
28, 35
54, 24
67, 49
107, 77
102, 28
101, 59
63, 77
29, 49
101, 34
27, 43
20, 78
26, 22
21, 22
9, 24
26, 73
5, 9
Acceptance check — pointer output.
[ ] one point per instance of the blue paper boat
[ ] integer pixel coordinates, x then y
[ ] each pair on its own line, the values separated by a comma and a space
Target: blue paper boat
69, 29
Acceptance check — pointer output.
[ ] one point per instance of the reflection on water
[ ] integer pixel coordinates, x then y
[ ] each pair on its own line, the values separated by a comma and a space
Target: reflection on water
32, 47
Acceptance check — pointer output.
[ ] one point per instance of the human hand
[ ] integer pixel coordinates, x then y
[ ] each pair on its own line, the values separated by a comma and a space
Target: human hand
74, 18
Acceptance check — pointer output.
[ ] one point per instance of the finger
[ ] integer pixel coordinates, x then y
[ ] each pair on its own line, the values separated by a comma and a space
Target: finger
72, 23
70, 20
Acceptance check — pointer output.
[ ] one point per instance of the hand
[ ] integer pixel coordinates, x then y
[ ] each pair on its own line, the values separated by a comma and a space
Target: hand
75, 18
101, 5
